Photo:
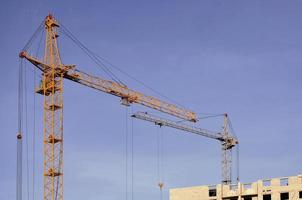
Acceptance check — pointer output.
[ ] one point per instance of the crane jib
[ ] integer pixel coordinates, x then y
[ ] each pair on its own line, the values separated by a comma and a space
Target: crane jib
128, 96
131, 96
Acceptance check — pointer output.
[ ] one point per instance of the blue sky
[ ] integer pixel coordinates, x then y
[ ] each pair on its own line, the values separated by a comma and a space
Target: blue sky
239, 57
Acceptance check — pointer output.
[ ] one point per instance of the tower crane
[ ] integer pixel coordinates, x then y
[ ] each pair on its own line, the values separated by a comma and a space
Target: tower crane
228, 141
53, 74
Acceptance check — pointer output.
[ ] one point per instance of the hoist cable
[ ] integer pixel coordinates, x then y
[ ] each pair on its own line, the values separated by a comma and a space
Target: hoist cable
206, 113
90, 54
132, 155
39, 43
162, 155
160, 160
79, 43
200, 118
33, 37
100, 59
237, 150
26, 131
126, 152
38, 49
161, 194
211, 116
231, 127
158, 154
34, 136
238, 163
20, 94
140, 82
19, 134
34, 121
98, 63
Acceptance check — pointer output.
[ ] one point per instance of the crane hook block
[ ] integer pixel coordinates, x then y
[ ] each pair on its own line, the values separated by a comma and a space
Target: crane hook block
161, 185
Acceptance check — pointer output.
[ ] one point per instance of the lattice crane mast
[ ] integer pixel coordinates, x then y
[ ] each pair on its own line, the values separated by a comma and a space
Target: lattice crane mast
228, 141
54, 72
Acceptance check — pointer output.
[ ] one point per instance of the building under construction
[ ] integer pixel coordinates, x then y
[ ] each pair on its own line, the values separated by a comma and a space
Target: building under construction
285, 188
53, 74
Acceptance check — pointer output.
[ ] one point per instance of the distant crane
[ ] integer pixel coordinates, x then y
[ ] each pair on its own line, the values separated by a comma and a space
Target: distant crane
51, 87
228, 141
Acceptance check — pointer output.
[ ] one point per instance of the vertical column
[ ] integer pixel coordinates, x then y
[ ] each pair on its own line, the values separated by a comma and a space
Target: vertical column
275, 185
226, 155
260, 189
53, 116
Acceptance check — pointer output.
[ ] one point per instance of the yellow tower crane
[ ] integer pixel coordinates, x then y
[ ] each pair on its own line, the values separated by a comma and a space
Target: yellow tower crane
228, 141
54, 71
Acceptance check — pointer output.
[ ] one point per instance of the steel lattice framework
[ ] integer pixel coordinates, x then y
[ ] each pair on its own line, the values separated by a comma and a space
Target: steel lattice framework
228, 141
52, 88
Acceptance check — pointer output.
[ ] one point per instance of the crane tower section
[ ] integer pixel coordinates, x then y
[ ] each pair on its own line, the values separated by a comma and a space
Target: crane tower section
52, 89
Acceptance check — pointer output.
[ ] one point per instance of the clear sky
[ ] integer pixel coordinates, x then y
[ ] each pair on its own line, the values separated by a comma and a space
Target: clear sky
240, 57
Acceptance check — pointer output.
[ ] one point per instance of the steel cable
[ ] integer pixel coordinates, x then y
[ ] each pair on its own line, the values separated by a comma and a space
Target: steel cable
19, 134
126, 152
26, 132
140, 82
30, 41
100, 59
34, 122
91, 55
132, 155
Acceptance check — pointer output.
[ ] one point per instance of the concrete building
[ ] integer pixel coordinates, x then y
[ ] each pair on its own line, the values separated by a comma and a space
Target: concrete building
269, 189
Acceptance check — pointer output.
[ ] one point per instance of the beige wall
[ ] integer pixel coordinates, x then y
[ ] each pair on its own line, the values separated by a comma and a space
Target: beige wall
275, 186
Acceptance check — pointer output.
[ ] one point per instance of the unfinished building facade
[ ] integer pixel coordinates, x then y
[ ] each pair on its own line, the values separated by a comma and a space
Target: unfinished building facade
285, 188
